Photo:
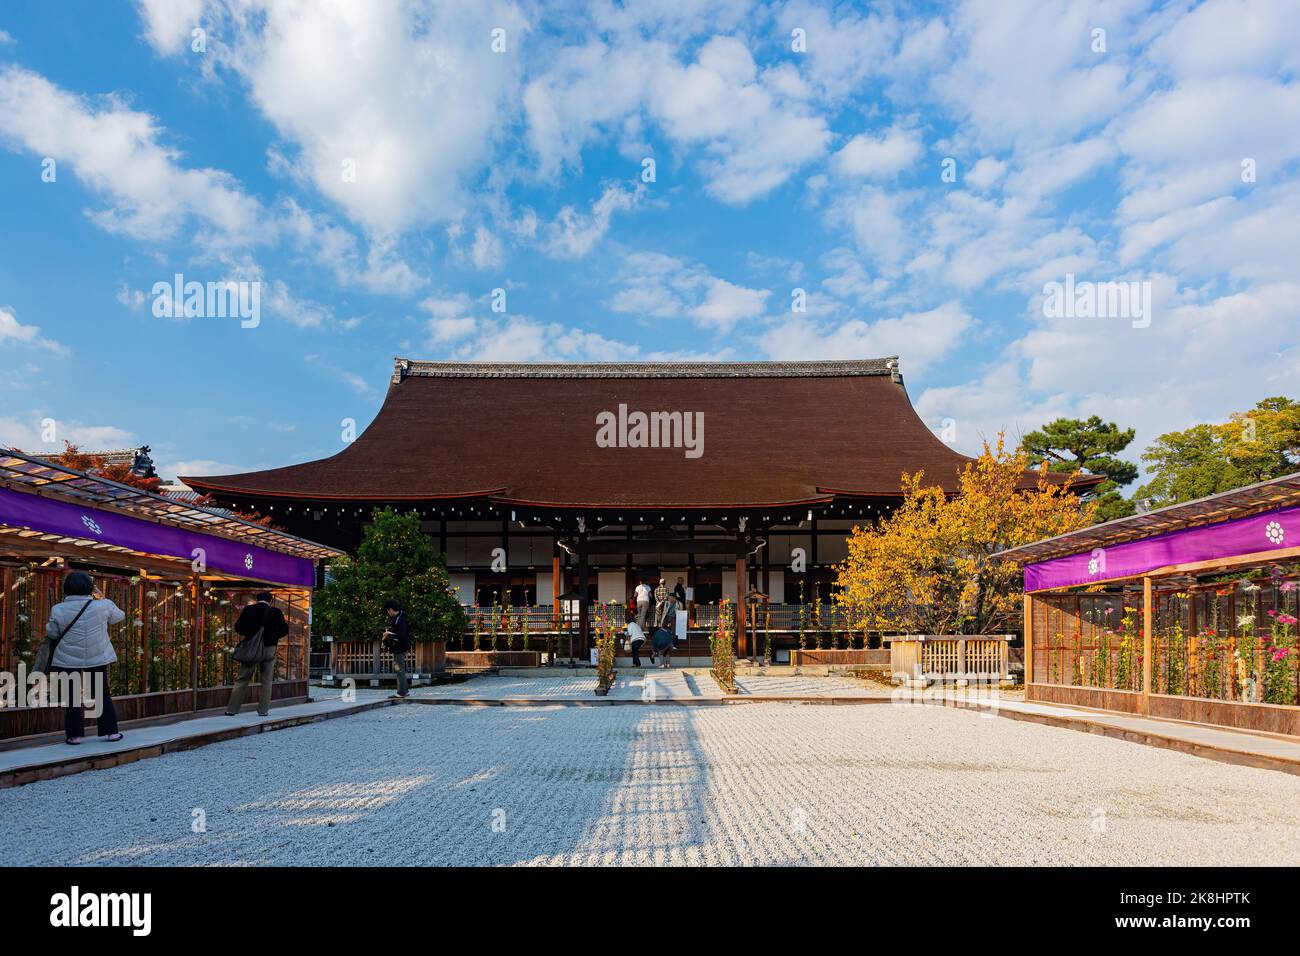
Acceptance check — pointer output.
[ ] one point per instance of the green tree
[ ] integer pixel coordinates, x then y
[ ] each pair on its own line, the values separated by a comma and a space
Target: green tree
396, 560
1207, 459
1187, 465
1091, 446
1265, 441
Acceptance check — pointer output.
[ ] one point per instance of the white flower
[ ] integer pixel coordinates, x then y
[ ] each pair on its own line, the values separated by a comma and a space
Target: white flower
1092, 566
1274, 532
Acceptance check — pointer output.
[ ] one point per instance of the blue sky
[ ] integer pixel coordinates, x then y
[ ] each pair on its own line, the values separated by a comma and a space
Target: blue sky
1113, 157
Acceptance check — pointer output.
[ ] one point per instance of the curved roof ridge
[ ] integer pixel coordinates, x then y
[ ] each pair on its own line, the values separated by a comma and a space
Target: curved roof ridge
406, 368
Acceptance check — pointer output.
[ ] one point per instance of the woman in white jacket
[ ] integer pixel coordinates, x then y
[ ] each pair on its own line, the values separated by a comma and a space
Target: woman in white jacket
85, 648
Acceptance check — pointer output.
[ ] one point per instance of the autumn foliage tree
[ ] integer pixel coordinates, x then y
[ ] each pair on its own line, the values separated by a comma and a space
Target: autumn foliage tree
928, 568
74, 458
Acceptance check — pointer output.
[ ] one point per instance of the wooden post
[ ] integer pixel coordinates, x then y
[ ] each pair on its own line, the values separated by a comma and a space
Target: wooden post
961, 658
742, 588
1146, 645
1029, 645
552, 642
196, 625
146, 656
584, 612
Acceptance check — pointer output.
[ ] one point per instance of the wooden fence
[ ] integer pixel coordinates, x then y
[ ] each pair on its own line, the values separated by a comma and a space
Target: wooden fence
173, 647
1226, 642
943, 657
1223, 652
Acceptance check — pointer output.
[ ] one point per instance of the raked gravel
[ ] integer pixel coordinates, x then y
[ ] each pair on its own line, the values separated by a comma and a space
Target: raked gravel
762, 784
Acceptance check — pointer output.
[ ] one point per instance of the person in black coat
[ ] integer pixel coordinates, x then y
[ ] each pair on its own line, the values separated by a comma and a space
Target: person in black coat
397, 638
263, 615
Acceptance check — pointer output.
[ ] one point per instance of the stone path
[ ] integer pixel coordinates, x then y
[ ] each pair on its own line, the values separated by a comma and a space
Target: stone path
773, 783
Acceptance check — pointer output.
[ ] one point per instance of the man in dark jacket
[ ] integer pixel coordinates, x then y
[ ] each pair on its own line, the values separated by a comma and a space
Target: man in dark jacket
397, 637
261, 614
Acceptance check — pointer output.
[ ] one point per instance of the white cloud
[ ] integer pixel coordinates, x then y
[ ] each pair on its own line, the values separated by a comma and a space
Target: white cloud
197, 467
755, 136
519, 338
1236, 349
584, 89
27, 433
169, 23
923, 338
880, 223
753, 127
1226, 37
664, 287
134, 299
572, 235
357, 383
487, 252
388, 90
11, 330
117, 153
452, 318
878, 158
381, 269
1025, 73
986, 173
725, 304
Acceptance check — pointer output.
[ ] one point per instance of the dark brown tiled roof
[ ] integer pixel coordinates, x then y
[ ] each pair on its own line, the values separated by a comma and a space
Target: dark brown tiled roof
775, 433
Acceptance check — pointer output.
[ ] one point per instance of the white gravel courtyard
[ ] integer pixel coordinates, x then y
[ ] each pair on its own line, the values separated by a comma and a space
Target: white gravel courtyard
757, 784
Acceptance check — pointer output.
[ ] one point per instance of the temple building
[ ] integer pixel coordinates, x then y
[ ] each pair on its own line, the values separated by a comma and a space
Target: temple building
540, 480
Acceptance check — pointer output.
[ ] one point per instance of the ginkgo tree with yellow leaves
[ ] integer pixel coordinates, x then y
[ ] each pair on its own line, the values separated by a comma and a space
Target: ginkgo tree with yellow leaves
928, 568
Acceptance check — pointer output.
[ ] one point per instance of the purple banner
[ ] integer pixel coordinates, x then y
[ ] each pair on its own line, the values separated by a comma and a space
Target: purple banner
1263, 532
112, 527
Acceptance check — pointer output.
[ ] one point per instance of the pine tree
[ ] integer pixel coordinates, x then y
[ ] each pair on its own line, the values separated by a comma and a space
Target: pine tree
396, 561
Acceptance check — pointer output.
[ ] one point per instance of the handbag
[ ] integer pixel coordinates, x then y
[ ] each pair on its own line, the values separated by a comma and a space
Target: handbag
45, 653
251, 648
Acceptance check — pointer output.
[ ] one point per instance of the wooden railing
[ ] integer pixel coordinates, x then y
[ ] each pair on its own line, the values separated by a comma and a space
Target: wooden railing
542, 619
370, 659
950, 657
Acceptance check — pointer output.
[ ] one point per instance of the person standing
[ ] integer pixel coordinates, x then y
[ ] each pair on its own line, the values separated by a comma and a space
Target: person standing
397, 637
643, 605
79, 623
661, 595
679, 592
264, 616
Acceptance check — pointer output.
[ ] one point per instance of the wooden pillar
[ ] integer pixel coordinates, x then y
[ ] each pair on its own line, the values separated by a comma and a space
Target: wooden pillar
1146, 645
742, 588
767, 567
584, 609
1029, 645
553, 638
196, 628
556, 590
147, 656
